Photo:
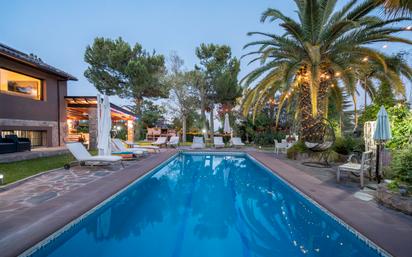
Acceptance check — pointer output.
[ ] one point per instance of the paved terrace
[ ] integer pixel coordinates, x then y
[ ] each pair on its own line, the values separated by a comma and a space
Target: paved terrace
33, 210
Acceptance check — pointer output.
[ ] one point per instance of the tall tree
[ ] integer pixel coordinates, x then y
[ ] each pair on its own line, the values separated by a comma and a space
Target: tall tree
220, 71
397, 7
116, 68
318, 54
182, 91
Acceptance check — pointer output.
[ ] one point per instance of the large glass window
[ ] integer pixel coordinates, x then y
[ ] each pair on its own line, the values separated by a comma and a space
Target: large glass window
37, 138
21, 85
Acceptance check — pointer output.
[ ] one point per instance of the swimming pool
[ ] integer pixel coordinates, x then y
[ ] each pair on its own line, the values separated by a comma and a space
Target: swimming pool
207, 205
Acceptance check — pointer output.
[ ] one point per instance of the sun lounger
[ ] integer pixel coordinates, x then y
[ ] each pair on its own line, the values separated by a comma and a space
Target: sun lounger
174, 141
83, 157
150, 148
218, 142
236, 142
198, 143
160, 141
120, 147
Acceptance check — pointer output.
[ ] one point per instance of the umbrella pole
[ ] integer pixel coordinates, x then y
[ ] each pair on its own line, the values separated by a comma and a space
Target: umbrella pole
378, 178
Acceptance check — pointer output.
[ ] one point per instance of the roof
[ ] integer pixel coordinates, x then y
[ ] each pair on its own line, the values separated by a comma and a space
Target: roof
34, 61
91, 101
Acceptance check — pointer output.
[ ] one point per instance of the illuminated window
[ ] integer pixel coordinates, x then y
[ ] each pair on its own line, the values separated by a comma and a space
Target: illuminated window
14, 83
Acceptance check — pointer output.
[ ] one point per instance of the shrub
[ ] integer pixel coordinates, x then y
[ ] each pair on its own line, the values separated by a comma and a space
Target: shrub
298, 147
347, 145
402, 165
267, 138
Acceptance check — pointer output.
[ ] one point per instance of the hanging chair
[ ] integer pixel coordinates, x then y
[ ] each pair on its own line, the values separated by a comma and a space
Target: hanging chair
320, 139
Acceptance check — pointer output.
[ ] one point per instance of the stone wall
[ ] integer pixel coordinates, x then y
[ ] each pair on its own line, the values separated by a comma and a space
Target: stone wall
393, 199
92, 113
50, 127
130, 131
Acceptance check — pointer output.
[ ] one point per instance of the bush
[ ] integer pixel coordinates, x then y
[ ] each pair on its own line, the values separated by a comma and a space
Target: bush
347, 145
267, 138
402, 165
298, 147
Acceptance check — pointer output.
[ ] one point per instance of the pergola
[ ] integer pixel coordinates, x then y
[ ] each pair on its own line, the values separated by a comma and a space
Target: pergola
82, 108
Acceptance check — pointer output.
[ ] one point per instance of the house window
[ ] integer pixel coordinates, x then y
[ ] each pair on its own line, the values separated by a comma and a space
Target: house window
14, 83
37, 138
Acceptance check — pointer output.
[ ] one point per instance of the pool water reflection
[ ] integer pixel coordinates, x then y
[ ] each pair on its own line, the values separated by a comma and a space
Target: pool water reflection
208, 205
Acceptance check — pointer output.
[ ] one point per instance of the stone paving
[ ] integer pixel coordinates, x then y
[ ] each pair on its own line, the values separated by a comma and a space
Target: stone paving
51, 185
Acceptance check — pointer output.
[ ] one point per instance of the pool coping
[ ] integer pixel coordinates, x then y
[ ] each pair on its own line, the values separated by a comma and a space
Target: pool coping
76, 221
387, 239
158, 164
356, 233
34, 225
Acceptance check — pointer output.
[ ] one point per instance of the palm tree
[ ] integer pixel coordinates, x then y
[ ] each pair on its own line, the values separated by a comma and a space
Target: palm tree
318, 57
396, 7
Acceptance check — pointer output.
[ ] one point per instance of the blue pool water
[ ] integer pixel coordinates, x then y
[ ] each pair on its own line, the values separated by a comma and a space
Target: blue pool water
208, 205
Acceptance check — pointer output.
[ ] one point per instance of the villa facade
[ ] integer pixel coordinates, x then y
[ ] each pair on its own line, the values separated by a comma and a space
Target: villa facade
32, 100
34, 104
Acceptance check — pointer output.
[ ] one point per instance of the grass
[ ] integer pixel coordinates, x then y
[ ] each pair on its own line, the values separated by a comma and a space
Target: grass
15, 171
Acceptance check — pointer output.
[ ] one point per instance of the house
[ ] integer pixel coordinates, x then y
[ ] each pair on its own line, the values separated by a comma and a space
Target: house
32, 98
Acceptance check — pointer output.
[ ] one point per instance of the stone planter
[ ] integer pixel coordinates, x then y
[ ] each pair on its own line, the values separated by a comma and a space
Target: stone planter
393, 199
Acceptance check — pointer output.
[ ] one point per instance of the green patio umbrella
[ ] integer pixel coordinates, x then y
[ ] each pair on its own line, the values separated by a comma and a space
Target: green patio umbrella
381, 135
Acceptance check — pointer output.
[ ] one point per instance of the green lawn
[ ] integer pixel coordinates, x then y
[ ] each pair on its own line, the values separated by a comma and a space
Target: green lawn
22, 169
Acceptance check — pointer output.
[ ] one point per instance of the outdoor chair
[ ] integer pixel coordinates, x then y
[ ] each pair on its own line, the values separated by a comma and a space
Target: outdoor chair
198, 143
173, 141
281, 147
22, 143
160, 141
236, 142
120, 147
218, 142
357, 168
83, 157
150, 148
7, 145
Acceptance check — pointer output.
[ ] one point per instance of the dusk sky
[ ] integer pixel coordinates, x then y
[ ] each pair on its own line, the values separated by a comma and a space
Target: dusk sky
59, 31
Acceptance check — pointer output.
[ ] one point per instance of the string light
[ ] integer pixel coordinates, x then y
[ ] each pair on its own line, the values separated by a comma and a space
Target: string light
337, 74
365, 59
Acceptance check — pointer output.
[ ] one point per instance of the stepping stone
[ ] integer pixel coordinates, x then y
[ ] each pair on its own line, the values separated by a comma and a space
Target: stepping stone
42, 197
363, 196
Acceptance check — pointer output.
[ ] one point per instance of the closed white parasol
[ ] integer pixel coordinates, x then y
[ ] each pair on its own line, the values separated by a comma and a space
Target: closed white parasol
104, 125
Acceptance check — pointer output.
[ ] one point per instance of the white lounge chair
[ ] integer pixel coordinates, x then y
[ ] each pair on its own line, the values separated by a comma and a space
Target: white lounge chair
357, 168
236, 142
281, 147
173, 141
160, 141
198, 143
119, 146
150, 148
218, 142
83, 157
